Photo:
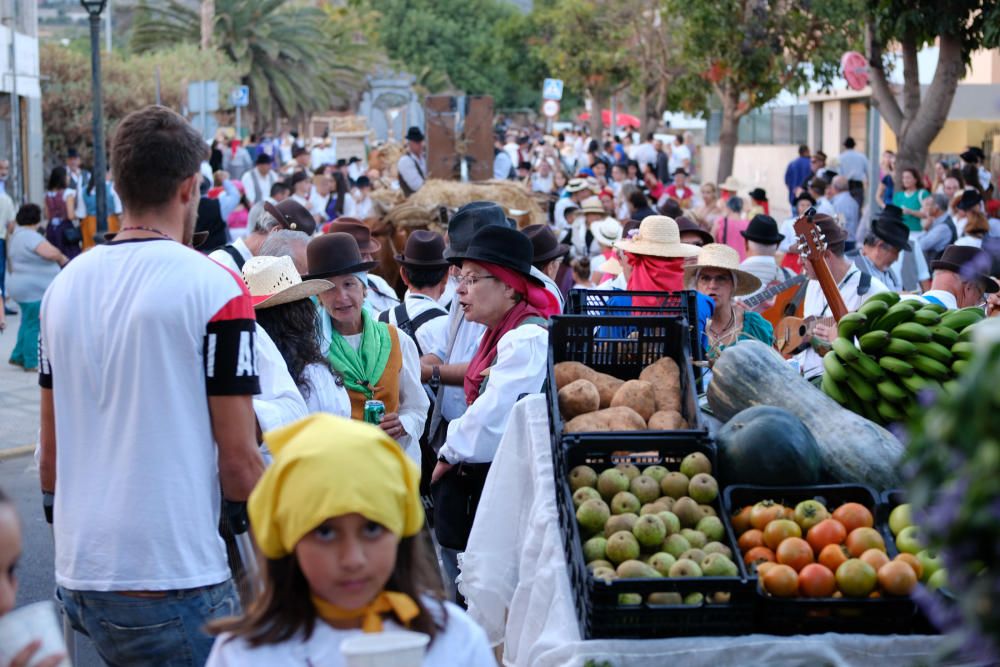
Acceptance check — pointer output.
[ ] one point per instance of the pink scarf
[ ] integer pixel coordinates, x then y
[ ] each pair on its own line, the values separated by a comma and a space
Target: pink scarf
654, 274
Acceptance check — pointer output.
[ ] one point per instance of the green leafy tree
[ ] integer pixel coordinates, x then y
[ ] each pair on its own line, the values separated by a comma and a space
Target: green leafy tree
959, 27
295, 58
750, 50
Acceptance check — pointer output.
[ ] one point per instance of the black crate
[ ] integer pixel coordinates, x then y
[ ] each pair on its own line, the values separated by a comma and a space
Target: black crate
888, 501
598, 611
792, 616
623, 347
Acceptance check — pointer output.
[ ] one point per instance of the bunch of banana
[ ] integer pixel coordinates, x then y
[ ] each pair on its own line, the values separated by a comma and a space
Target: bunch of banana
890, 349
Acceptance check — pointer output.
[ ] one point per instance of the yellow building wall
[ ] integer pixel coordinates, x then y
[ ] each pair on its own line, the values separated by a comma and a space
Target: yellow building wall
953, 137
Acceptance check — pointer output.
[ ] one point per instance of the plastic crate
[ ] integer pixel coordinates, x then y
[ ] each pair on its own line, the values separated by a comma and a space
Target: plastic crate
790, 616
598, 611
622, 347
888, 501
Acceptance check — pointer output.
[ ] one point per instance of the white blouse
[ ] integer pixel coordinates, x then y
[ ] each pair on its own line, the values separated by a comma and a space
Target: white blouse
324, 394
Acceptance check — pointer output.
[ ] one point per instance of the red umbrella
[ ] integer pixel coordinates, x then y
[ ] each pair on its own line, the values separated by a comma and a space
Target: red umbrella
623, 119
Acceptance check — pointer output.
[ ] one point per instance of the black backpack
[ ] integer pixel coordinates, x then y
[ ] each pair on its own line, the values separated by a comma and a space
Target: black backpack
408, 326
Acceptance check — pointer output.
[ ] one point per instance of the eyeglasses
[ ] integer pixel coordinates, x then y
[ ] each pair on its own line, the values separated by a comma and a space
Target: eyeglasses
722, 278
471, 279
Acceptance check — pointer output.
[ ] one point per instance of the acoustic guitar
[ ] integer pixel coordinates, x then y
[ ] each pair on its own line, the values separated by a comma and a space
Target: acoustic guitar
794, 334
773, 311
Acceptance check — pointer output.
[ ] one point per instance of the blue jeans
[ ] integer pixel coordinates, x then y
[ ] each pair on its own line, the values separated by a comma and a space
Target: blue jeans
166, 631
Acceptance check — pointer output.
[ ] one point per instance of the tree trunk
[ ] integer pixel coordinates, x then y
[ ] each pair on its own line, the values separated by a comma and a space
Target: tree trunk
207, 21
728, 135
599, 99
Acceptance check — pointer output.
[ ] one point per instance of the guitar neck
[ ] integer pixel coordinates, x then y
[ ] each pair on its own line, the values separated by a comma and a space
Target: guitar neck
768, 292
830, 290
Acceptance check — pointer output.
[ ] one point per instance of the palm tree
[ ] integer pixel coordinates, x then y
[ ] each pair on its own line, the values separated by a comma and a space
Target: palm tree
295, 58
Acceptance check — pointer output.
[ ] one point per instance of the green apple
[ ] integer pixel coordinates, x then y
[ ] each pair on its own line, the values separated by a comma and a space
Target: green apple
900, 518
938, 580
931, 562
909, 540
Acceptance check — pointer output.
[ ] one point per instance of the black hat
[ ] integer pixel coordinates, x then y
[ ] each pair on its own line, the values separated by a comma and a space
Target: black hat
671, 209
830, 228
524, 165
544, 243
414, 134
763, 229
363, 182
292, 215
354, 158
685, 224
889, 227
807, 197
424, 250
978, 152
298, 150
71, 153
262, 158
503, 246
970, 200
334, 254
341, 162
970, 263
758, 194
468, 220
680, 170
969, 156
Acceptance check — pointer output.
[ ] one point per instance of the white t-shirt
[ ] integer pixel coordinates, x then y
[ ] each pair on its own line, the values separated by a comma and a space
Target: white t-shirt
324, 394
462, 642
137, 481
679, 154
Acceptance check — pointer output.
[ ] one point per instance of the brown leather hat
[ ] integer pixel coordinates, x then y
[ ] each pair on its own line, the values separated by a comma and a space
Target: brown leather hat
334, 254
424, 250
686, 225
292, 215
971, 263
544, 243
358, 230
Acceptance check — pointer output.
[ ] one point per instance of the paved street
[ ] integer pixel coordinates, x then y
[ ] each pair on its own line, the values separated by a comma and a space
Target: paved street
18, 396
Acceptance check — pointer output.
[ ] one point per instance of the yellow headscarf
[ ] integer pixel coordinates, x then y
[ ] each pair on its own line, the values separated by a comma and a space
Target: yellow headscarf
326, 466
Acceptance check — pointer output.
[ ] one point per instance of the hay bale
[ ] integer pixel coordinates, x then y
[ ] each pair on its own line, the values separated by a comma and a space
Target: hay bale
385, 157
512, 196
385, 199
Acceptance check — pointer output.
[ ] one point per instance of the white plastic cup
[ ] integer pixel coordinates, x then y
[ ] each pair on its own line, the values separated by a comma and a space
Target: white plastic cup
397, 648
22, 626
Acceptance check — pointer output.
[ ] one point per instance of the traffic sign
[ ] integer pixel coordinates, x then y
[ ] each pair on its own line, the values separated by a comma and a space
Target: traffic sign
550, 108
552, 89
203, 96
240, 97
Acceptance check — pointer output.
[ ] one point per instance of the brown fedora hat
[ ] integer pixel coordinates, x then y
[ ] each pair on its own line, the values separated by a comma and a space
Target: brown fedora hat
424, 250
292, 215
358, 230
545, 245
334, 254
969, 262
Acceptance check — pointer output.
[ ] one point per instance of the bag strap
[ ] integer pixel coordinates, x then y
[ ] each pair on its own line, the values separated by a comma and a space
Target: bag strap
235, 254
864, 283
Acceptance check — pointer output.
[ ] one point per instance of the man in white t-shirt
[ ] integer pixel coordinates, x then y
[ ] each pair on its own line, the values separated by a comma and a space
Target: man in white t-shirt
147, 421
680, 155
257, 182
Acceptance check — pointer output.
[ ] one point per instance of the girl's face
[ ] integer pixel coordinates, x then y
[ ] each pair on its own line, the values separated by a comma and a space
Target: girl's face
10, 552
908, 181
347, 560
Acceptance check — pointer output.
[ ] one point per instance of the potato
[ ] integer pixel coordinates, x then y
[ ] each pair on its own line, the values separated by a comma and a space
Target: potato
569, 371
577, 398
638, 395
667, 420
607, 386
610, 419
665, 377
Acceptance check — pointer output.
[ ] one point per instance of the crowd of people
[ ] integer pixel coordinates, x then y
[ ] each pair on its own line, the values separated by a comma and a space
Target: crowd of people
248, 335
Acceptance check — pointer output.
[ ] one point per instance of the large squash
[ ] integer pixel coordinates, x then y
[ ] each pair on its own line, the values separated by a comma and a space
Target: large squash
768, 446
852, 448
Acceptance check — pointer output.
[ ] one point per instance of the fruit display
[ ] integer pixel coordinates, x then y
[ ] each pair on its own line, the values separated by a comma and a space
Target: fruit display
768, 446
890, 350
910, 544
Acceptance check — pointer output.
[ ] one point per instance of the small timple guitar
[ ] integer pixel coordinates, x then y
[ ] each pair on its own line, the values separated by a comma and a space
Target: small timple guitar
795, 334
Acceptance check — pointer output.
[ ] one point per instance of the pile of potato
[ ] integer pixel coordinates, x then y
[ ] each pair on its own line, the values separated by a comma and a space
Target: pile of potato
593, 401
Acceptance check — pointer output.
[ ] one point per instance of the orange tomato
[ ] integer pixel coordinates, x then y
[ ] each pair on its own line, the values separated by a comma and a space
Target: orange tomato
781, 581
779, 530
763, 566
757, 555
875, 558
897, 578
913, 562
854, 515
741, 520
750, 539
816, 581
788, 512
833, 556
794, 552
764, 513
862, 539
827, 531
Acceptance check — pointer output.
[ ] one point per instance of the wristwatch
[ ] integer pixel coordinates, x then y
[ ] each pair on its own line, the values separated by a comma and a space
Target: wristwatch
435, 380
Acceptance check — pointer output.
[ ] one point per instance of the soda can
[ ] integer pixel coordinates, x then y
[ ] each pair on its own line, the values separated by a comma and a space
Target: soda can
374, 411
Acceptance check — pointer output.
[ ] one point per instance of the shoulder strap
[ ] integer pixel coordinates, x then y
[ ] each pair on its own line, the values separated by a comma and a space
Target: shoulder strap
384, 317
425, 317
534, 319
952, 228
235, 254
864, 283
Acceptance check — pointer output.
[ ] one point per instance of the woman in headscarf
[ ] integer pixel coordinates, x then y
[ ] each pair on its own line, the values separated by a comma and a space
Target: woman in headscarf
376, 360
337, 516
496, 289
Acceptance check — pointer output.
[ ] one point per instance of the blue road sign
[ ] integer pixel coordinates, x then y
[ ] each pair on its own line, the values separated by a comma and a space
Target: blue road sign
552, 89
240, 96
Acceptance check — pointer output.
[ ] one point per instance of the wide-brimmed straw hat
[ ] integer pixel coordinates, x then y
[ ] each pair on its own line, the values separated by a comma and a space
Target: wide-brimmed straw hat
592, 205
606, 231
730, 184
611, 267
273, 281
721, 256
658, 236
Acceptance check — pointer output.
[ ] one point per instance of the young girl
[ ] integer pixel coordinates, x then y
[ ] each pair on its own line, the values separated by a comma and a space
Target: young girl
337, 516
10, 553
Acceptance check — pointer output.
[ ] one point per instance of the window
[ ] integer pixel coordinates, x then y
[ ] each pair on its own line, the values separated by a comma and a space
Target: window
767, 126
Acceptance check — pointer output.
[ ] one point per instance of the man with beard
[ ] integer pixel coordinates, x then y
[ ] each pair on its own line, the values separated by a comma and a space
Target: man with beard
147, 369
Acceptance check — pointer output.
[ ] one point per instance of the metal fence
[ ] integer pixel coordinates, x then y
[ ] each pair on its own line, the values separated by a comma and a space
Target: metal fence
769, 126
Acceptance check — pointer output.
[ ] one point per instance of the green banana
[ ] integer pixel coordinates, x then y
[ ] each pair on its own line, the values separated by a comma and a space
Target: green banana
896, 366
833, 367
913, 332
831, 389
944, 335
889, 298
873, 341
935, 351
889, 412
959, 319
960, 366
845, 349
913, 383
901, 312
851, 324
936, 307
873, 309
870, 412
929, 367
898, 347
951, 387
963, 350
865, 391
926, 317
891, 391
868, 368
966, 334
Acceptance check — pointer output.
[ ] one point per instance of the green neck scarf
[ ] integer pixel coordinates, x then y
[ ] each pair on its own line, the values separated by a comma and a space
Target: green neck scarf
363, 367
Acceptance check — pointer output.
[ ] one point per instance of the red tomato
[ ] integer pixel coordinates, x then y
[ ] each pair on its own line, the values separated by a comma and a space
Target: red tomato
794, 552
827, 531
816, 581
854, 515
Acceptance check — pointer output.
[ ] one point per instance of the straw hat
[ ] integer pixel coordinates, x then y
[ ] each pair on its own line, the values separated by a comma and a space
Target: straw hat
611, 266
721, 256
606, 231
730, 184
592, 205
658, 236
273, 281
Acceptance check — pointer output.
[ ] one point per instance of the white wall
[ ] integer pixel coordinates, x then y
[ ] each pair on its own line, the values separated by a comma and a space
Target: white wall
755, 166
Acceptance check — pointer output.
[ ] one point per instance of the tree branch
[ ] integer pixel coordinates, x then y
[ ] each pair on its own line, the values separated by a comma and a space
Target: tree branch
930, 117
911, 77
882, 94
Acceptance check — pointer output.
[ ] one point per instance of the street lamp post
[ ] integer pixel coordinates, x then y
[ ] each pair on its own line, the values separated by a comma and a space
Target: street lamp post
94, 9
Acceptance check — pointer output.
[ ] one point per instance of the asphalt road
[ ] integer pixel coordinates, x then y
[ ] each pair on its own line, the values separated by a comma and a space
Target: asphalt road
35, 572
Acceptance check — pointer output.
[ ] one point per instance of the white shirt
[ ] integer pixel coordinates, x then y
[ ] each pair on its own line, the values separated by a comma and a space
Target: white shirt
645, 154
407, 168
384, 299
224, 258
356, 207
551, 286
462, 642
815, 305
137, 487
430, 331
250, 186
519, 369
318, 202
679, 154
946, 298
279, 401
541, 183
970, 241
559, 214
306, 203
466, 337
324, 394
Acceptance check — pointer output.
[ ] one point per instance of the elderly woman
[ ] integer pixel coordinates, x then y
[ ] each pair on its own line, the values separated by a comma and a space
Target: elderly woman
376, 361
497, 290
716, 274
33, 263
